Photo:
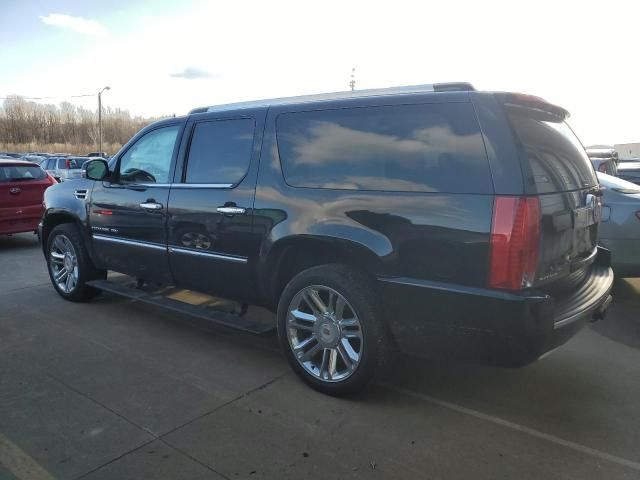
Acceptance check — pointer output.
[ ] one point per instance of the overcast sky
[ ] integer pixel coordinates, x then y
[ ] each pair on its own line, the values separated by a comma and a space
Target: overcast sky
168, 56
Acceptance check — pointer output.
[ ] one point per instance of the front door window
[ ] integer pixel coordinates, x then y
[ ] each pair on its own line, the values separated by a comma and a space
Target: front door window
149, 159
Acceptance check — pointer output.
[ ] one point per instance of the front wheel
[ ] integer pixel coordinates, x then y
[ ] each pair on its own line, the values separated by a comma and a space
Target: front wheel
330, 326
69, 264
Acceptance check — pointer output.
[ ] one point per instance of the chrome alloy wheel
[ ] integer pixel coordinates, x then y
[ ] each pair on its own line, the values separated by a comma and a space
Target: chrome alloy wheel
324, 333
63, 263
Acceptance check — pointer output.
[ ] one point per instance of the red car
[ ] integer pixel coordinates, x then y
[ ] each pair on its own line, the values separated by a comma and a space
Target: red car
22, 186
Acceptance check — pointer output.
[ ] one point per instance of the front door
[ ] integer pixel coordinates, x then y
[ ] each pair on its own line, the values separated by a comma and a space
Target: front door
211, 242
128, 215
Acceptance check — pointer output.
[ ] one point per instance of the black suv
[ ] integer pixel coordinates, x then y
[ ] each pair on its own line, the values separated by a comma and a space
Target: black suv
424, 219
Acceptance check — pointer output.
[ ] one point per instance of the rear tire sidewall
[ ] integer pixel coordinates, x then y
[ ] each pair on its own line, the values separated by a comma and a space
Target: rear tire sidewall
358, 290
86, 269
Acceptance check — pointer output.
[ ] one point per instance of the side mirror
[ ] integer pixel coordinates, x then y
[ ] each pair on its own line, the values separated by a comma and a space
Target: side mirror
95, 169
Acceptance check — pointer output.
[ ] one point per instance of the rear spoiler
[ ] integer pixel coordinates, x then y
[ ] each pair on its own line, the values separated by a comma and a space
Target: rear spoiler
533, 103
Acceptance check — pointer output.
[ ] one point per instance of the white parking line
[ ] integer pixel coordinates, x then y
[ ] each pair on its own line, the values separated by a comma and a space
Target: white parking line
517, 427
19, 463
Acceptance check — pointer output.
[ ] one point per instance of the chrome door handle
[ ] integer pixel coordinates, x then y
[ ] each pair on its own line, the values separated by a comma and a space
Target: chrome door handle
231, 210
151, 206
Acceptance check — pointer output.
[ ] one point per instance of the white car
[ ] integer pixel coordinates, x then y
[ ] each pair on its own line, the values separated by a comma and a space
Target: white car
64, 168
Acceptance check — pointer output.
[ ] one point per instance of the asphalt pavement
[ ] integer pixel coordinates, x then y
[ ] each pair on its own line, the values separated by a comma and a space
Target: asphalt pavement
113, 389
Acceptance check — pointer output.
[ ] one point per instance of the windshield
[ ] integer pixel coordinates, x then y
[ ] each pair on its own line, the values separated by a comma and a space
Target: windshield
557, 160
16, 173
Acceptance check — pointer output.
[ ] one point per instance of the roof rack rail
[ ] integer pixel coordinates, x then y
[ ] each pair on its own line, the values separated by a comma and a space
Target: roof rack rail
453, 87
436, 87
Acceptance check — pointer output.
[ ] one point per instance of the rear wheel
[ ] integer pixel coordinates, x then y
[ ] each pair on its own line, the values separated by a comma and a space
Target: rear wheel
331, 330
69, 264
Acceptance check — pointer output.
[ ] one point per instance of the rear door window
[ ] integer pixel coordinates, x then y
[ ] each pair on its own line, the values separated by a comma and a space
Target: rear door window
220, 151
557, 160
18, 173
414, 148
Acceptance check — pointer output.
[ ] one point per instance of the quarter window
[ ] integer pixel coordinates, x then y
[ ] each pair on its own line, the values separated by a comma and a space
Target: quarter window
149, 159
418, 148
220, 151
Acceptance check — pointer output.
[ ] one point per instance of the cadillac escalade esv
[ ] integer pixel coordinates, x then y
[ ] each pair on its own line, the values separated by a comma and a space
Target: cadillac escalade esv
420, 219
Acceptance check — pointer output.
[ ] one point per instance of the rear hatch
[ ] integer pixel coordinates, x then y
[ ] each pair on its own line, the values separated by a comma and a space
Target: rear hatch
556, 170
21, 186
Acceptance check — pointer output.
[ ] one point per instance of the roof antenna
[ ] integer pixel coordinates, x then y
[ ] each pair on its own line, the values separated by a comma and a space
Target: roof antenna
352, 83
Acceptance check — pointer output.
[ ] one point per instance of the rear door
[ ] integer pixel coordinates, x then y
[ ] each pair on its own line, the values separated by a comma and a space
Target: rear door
556, 168
211, 242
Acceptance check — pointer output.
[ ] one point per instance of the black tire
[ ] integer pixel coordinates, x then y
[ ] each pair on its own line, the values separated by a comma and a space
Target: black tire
86, 270
359, 291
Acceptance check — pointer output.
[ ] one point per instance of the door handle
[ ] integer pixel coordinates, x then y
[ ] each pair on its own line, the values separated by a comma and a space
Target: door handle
151, 206
231, 210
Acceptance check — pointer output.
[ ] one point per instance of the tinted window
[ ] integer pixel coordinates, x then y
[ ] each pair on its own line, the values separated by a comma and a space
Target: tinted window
557, 159
220, 151
422, 148
16, 173
149, 159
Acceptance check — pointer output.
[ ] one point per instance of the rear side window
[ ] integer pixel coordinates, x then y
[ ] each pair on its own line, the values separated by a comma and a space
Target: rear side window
557, 160
220, 151
414, 148
17, 173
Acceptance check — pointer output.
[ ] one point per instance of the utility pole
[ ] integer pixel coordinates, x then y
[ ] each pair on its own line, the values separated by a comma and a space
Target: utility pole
100, 118
352, 83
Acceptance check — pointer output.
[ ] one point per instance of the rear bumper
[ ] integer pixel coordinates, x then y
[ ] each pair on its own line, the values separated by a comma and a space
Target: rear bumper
490, 326
20, 219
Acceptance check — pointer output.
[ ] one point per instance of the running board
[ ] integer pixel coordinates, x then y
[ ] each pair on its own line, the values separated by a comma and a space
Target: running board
210, 314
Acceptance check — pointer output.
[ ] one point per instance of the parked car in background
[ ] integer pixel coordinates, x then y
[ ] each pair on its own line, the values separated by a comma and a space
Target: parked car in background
30, 157
604, 160
347, 214
22, 186
64, 168
98, 154
629, 169
620, 226
12, 154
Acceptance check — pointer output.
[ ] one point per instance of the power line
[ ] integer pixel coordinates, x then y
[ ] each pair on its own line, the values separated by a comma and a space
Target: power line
46, 98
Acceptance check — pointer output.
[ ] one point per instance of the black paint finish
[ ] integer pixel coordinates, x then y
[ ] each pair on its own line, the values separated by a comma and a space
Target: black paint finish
427, 248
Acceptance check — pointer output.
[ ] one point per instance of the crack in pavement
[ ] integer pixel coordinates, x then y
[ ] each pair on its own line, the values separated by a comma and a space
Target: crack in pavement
161, 437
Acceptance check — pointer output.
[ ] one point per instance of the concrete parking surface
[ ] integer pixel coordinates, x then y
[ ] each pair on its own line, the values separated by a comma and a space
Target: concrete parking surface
117, 390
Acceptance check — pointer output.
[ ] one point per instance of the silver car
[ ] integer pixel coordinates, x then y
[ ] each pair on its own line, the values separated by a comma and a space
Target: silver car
620, 225
64, 168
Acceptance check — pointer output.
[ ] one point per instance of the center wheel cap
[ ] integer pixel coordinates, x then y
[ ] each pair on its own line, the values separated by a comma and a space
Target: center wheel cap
68, 262
328, 333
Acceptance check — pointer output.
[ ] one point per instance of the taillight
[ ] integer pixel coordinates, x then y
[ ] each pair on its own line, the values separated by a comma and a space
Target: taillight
602, 168
514, 244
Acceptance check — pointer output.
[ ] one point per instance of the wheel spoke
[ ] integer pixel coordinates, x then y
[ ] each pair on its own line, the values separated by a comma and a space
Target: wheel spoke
61, 275
324, 366
307, 317
304, 343
309, 354
333, 361
347, 349
349, 323
69, 282
345, 357
57, 258
59, 244
315, 302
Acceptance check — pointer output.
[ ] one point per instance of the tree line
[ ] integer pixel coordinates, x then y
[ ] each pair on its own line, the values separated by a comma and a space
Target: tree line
25, 123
